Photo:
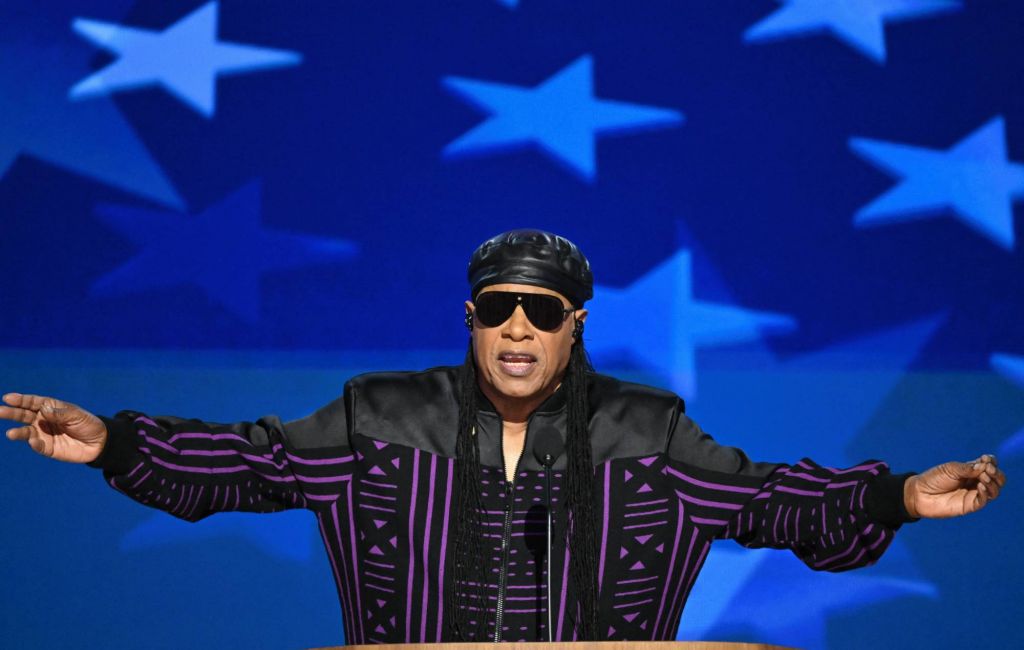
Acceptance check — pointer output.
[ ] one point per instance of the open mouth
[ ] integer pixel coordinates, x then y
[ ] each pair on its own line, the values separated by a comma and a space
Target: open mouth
517, 364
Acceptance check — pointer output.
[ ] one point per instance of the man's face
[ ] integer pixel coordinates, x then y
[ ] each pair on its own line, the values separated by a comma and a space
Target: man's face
516, 359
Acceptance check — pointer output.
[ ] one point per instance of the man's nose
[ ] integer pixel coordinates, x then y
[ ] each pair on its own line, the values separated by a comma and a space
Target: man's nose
517, 327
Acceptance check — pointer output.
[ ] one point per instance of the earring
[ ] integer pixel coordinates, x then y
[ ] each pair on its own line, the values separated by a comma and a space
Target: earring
577, 330
469, 321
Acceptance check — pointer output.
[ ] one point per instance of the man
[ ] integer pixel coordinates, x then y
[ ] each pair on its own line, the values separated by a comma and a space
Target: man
430, 497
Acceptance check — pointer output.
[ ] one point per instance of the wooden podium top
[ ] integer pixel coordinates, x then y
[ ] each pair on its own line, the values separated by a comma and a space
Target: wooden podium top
575, 645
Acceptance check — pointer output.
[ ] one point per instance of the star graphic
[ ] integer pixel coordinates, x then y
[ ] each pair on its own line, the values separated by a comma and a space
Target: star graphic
859, 23
1012, 368
287, 535
223, 251
973, 178
560, 115
38, 60
742, 586
788, 615
660, 323
185, 58
511, 4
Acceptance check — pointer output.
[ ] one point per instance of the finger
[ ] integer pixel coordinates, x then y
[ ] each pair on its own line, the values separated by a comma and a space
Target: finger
1000, 477
41, 444
19, 433
30, 402
16, 414
970, 469
980, 498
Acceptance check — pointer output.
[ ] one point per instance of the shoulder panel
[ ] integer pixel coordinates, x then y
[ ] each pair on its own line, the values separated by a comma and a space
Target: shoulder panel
629, 420
418, 409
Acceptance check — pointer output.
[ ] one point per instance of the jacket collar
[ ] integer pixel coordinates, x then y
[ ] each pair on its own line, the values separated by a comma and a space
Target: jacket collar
553, 404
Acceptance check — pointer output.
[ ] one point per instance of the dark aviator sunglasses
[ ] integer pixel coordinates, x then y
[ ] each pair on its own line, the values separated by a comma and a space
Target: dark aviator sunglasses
545, 312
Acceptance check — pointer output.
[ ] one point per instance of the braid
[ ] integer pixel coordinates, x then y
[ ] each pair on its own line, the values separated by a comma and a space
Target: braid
468, 596
582, 529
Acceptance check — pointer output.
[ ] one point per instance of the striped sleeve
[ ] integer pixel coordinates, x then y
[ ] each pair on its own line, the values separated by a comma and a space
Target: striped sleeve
823, 515
192, 469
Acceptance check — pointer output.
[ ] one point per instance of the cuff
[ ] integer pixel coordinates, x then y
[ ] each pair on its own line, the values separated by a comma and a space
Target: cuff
120, 450
883, 501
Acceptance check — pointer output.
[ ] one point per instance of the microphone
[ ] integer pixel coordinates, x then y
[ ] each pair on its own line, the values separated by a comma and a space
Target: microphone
548, 448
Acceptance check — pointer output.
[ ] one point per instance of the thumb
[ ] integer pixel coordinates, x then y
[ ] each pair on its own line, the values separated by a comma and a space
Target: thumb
970, 469
55, 414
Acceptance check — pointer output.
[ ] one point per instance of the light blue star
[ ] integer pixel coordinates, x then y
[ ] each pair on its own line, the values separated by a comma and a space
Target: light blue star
511, 4
973, 178
852, 378
224, 251
287, 535
560, 115
186, 58
860, 23
38, 61
1012, 368
660, 323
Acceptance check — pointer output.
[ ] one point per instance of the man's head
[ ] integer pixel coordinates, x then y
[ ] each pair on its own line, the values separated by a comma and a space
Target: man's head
528, 290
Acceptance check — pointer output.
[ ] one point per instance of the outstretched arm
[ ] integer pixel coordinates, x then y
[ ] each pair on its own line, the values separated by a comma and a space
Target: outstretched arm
192, 468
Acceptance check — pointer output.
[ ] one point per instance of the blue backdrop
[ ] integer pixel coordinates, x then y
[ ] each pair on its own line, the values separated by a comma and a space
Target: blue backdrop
800, 215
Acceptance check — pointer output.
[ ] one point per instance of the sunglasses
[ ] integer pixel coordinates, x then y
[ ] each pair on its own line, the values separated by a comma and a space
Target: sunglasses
545, 312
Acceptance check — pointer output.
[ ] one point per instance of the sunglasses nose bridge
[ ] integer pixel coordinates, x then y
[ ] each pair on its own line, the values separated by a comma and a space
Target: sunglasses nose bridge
518, 319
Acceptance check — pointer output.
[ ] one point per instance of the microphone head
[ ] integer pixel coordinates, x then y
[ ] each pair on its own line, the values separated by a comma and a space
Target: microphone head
549, 447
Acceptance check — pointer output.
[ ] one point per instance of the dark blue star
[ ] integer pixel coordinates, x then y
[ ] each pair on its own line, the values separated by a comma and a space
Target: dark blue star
223, 250
1012, 368
860, 23
287, 535
973, 178
39, 60
560, 115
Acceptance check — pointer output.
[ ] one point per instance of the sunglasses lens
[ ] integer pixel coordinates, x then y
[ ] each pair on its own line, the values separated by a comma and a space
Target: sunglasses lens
495, 307
545, 312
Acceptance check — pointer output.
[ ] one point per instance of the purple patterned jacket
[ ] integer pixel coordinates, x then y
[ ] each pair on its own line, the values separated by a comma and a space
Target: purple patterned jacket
375, 466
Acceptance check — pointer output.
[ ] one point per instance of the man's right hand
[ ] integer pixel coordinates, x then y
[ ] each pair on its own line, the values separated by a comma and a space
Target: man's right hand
54, 428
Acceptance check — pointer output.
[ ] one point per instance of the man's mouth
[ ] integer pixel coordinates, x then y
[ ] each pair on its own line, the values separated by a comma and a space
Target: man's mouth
517, 364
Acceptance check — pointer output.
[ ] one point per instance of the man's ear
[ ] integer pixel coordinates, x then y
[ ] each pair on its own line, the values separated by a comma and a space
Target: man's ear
470, 308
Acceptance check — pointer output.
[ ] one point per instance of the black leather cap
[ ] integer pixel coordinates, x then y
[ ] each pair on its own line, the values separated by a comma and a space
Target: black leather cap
533, 257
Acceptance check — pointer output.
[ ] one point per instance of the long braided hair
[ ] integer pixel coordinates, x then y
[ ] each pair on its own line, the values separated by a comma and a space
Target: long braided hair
467, 603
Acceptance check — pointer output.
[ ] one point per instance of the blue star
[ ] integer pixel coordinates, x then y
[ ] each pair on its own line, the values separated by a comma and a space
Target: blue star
788, 615
511, 4
38, 60
742, 585
973, 178
860, 23
560, 115
225, 251
672, 324
186, 58
287, 535
1012, 368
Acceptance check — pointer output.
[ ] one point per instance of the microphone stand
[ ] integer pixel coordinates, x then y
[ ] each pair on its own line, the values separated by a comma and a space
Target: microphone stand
549, 462
547, 450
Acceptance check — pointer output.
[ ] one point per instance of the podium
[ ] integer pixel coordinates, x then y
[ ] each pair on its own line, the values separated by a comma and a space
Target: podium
567, 645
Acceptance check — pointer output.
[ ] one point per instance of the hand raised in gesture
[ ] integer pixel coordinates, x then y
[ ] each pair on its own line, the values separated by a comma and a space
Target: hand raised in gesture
54, 428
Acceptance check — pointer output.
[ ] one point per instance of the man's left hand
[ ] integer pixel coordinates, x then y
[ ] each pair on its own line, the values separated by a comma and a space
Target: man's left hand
953, 489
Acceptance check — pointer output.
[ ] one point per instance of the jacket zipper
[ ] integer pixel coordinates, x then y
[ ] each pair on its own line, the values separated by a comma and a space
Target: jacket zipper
506, 536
